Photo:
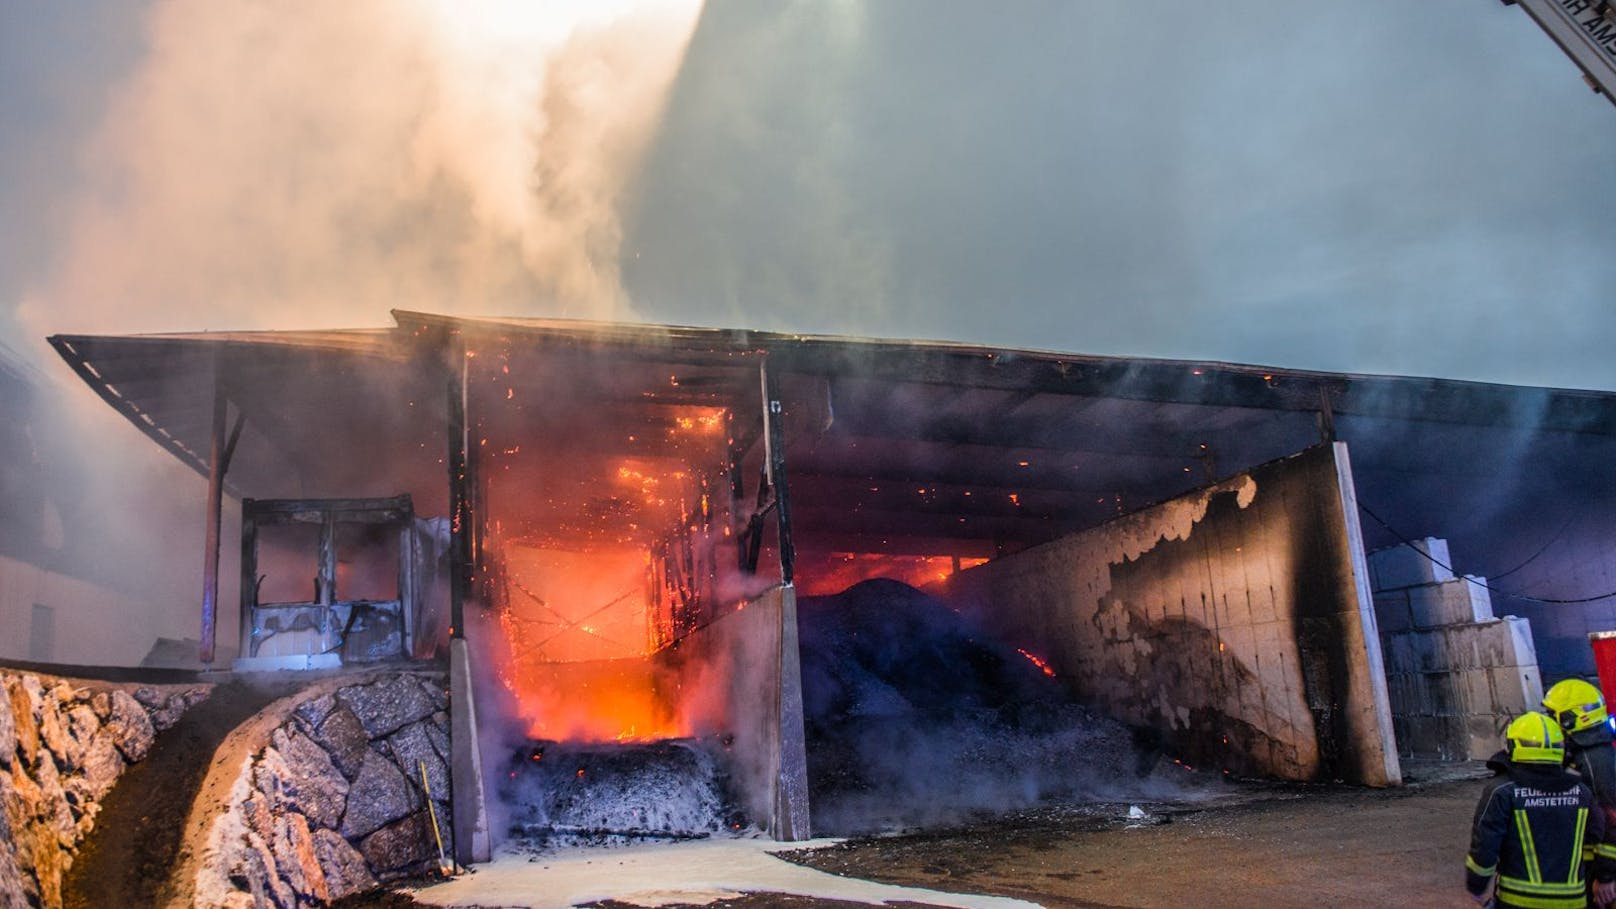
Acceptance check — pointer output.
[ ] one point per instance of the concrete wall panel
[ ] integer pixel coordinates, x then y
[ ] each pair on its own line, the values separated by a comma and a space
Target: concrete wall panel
1455, 687
748, 659
1401, 566
1234, 619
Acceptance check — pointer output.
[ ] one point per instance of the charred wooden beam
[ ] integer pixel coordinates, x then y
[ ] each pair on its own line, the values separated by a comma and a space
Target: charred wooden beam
1059, 437
851, 494
915, 543
775, 461
828, 521
460, 518
1326, 415
969, 474
313, 511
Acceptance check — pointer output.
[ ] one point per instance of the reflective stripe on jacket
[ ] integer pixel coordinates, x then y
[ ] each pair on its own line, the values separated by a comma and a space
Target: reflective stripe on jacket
1530, 831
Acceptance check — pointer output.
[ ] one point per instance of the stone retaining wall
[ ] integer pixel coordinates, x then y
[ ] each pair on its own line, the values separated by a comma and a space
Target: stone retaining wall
63, 744
327, 800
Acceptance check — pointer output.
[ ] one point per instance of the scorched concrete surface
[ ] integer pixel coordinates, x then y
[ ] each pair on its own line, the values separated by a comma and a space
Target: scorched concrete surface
1272, 846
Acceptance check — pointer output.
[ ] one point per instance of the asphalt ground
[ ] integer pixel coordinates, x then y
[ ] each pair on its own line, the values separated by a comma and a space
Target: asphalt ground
1245, 845
1280, 847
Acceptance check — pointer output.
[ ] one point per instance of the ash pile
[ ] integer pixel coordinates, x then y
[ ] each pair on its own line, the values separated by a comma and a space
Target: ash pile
917, 717
581, 794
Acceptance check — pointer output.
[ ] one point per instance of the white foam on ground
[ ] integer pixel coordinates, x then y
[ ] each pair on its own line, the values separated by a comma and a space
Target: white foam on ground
659, 874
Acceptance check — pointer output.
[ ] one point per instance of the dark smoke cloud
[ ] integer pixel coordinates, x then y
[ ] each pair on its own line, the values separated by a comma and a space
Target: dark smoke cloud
1376, 187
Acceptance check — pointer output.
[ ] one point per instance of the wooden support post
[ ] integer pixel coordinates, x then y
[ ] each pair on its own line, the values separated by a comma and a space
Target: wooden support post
467, 804
737, 487
326, 584
775, 461
788, 817
407, 605
1326, 415
460, 554
477, 487
249, 575
219, 453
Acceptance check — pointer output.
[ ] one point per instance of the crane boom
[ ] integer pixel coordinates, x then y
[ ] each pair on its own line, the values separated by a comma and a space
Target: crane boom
1586, 31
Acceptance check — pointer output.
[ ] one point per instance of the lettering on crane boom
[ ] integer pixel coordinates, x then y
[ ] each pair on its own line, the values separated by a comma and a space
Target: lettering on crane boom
1590, 17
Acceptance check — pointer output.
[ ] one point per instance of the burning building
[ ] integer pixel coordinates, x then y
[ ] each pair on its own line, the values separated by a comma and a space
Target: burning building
607, 528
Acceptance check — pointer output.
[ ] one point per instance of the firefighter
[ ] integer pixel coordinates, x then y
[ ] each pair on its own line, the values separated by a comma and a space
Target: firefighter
1532, 824
1580, 710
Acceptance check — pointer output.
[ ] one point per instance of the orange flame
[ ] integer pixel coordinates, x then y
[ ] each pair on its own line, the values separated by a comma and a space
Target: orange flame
577, 662
830, 573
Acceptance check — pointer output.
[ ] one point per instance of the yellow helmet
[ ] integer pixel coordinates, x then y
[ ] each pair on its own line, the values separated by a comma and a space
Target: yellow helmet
1533, 738
1576, 704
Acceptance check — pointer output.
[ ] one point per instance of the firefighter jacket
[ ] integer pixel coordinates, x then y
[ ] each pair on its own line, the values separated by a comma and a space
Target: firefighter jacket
1538, 830
1589, 752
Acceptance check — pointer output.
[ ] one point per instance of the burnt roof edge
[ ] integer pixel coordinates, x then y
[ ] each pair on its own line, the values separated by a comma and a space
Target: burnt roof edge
1193, 382
65, 348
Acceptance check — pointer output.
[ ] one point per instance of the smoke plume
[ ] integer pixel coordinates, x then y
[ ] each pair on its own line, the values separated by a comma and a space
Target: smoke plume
268, 167
265, 166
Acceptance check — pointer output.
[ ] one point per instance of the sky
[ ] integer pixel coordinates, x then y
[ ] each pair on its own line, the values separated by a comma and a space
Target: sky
1377, 187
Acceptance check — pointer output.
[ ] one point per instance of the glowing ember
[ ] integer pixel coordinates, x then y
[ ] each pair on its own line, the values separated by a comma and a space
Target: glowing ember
1037, 662
711, 421
831, 573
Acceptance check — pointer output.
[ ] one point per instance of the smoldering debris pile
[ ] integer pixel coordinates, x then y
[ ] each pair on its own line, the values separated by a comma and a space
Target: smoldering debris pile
567, 793
915, 717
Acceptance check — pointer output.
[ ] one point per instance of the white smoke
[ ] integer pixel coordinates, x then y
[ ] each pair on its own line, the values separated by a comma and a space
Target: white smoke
313, 165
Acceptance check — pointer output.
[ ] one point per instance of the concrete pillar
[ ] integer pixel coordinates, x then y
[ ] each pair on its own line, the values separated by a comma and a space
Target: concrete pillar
789, 820
1371, 719
471, 838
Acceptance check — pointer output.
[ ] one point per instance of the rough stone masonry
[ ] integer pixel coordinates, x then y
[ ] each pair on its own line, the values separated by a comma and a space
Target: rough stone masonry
63, 744
323, 797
